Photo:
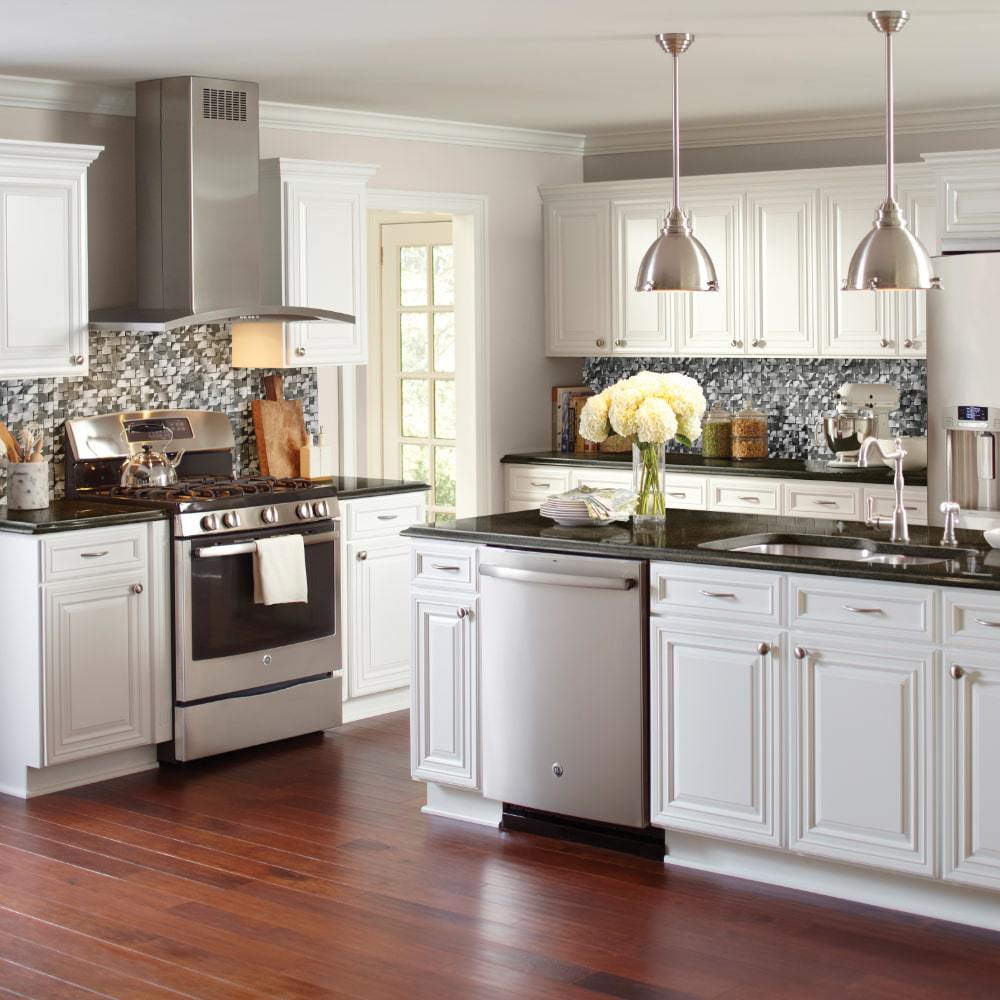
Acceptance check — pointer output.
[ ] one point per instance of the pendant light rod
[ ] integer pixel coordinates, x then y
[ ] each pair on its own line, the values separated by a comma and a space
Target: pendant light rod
888, 22
675, 44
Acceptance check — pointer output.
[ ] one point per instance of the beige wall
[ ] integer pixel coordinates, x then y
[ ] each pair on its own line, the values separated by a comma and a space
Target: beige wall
782, 155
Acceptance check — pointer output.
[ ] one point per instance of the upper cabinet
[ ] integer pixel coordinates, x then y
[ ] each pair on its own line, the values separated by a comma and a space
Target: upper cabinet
780, 242
968, 199
313, 234
43, 258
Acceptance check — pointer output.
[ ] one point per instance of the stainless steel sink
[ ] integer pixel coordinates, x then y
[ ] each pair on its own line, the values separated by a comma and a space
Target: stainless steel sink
839, 549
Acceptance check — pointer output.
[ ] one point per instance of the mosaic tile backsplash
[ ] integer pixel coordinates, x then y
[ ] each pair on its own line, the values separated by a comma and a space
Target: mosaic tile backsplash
188, 368
794, 392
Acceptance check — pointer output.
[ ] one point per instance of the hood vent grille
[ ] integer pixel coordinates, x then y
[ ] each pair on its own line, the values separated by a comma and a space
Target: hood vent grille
224, 105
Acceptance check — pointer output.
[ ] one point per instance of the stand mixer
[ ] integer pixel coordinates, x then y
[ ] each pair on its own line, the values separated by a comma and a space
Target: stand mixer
863, 410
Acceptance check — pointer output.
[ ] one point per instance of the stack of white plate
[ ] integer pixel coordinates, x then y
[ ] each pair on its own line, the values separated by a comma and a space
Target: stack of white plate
569, 512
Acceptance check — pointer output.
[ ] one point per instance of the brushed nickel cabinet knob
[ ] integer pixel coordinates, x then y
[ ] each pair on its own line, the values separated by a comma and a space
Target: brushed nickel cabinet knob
362, 556
801, 652
300, 352
136, 588
763, 648
78, 359
957, 672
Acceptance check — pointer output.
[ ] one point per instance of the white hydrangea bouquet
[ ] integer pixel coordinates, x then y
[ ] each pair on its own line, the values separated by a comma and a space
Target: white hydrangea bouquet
649, 409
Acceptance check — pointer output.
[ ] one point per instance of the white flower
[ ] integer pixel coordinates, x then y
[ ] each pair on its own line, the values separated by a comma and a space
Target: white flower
689, 428
594, 418
655, 421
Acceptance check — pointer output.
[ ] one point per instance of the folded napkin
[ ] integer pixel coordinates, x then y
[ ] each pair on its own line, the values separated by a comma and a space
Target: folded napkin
602, 504
279, 571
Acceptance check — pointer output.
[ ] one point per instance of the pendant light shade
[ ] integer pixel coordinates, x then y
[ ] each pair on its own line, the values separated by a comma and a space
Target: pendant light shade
676, 261
890, 257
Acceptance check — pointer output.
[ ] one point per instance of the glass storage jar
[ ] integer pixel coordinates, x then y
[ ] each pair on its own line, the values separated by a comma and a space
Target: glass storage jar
749, 434
717, 433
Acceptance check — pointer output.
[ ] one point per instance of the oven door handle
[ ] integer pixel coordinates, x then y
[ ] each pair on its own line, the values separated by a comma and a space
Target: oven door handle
247, 548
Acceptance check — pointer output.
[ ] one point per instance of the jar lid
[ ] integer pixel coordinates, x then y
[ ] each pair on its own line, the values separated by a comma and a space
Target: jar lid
749, 413
718, 414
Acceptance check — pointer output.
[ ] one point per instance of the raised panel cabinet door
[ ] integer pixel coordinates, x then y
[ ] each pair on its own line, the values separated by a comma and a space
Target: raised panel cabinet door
713, 323
444, 699
782, 269
324, 248
378, 602
862, 781
643, 321
910, 308
715, 725
43, 319
854, 323
578, 278
971, 690
98, 676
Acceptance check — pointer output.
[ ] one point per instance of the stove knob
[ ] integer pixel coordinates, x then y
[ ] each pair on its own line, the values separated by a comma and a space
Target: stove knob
269, 515
303, 512
321, 509
231, 519
209, 523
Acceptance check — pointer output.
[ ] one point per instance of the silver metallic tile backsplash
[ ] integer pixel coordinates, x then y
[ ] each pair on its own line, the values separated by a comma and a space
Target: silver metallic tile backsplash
189, 368
794, 392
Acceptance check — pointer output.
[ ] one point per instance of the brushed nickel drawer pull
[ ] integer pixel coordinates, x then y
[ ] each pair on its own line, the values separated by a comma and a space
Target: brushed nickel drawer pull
681, 495
93, 555
862, 611
543, 486
446, 569
825, 503
750, 499
387, 517
983, 621
717, 593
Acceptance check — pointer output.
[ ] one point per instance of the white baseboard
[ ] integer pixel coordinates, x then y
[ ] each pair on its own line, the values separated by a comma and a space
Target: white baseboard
73, 774
370, 705
911, 894
462, 804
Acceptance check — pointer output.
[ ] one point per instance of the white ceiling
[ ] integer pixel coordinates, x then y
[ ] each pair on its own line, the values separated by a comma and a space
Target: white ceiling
570, 65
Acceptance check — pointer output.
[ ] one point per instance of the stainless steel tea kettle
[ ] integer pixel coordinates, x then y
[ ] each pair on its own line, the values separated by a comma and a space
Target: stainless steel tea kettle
149, 466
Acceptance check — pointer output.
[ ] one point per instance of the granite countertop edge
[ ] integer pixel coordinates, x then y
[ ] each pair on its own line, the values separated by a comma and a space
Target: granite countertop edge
71, 522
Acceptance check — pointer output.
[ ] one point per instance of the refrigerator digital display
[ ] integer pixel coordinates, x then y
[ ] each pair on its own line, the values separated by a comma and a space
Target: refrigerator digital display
979, 414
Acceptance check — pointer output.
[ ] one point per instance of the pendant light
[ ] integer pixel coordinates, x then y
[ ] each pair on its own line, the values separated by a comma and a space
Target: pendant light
890, 257
676, 261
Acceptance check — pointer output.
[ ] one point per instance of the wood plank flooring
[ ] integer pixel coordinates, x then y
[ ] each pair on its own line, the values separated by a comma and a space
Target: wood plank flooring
305, 870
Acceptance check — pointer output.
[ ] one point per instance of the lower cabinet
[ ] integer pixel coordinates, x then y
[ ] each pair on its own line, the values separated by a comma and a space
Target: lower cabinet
444, 689
715, 700
97, 667
861, 728
970, 683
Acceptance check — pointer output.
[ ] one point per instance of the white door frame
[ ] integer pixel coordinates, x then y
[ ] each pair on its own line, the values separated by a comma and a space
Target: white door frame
456, 205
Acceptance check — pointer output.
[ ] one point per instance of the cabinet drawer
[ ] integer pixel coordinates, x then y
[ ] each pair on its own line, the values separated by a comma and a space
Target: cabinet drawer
736, 595
744, 495
531, 483
75, 554
892, 610
603, 478
914, 500
444, 566
973, 617
384, 515
686, 492
822, 500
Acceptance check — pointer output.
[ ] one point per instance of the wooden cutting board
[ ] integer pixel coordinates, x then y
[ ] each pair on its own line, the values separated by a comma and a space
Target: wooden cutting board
280, 427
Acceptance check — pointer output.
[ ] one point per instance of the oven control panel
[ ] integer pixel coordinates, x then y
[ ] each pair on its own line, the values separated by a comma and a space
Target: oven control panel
275, 515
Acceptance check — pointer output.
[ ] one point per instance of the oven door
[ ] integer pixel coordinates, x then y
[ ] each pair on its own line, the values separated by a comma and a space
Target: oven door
226, 644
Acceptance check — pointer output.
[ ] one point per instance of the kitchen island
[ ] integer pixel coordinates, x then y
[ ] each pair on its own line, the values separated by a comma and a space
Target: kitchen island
825, 719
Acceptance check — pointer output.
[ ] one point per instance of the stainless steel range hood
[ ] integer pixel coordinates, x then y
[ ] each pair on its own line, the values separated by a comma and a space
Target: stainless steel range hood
197, 159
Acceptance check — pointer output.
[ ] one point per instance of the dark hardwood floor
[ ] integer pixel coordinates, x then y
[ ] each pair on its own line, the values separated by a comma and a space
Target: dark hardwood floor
306, 870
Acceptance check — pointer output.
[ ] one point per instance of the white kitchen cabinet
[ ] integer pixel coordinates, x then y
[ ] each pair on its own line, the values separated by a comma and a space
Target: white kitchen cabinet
313, 224
862, 731
578, 267
375, 603
43, 258
97, 667
782, 268
884, 497
445, 689
967, 198
715, 718
910, 319
970, 685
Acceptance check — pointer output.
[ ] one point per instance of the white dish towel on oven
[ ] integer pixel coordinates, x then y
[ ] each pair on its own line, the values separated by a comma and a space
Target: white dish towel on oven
279, 571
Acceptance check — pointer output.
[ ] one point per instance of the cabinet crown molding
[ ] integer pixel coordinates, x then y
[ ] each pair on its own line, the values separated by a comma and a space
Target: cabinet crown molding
285, 168
64, 158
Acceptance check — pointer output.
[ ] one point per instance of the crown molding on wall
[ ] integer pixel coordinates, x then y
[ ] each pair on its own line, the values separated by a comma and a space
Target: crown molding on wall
62, 95
795, 130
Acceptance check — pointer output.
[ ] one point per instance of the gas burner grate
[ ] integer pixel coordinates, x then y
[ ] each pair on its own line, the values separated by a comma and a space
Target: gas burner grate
206, 488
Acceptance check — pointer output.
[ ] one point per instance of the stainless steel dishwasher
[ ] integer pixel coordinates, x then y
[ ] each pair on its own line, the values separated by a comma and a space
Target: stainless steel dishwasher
564, 691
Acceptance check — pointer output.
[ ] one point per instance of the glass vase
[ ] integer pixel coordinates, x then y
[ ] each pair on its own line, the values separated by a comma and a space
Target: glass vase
647, 481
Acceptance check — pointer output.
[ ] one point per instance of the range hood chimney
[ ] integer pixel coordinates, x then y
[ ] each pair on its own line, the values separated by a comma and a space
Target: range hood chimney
197, 163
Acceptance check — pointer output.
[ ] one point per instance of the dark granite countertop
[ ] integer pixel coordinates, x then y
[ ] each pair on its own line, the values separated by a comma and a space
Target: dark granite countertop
73, 515
780, 468
685, 531
355, 487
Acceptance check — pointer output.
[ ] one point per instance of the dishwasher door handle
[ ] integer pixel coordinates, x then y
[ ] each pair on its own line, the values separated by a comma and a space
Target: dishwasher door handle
558, 579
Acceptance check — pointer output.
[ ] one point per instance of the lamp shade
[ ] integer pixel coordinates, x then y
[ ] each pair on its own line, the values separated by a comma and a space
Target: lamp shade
890, 258
676, 261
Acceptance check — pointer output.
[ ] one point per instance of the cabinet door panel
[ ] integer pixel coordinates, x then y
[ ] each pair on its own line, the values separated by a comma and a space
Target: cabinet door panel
377, 600
782, 274
910, 316
577, 285
643, 320
972, 769
861, 788
97, 668
714, 723
443, 722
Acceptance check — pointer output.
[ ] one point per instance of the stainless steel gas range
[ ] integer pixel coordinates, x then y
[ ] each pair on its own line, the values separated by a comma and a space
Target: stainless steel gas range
244, 673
